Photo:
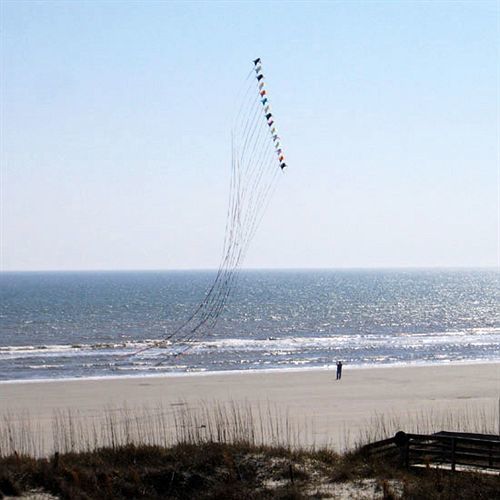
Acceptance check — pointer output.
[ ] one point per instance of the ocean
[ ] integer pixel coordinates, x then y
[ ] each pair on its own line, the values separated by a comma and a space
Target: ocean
92, 324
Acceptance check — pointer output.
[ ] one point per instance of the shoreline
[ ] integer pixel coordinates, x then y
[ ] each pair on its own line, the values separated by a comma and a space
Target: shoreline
253, 371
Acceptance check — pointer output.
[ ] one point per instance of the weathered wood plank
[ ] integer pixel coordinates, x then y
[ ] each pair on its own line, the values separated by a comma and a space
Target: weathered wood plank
477, 450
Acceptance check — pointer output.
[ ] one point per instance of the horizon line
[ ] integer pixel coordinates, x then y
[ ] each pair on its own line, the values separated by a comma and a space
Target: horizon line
214, 269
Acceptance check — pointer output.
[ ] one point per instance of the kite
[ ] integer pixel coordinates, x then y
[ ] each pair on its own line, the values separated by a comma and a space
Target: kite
256, 159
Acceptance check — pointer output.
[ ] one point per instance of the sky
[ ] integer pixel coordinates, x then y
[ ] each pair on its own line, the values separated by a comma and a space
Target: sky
116, 121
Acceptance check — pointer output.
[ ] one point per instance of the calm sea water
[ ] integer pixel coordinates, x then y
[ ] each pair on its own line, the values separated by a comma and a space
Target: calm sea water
55, 325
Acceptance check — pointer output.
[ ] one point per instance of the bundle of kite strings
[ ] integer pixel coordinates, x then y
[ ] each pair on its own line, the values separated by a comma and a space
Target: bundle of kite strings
256, 159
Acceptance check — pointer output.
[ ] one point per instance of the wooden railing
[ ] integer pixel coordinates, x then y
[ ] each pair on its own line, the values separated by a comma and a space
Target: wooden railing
441, 448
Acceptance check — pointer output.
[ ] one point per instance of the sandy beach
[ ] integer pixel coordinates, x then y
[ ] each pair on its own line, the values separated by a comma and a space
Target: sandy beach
333, 412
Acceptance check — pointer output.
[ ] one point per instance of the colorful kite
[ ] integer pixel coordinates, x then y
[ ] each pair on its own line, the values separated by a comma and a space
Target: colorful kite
269, 116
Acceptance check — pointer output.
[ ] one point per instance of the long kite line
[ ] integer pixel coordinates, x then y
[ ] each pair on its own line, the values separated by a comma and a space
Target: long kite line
256, 154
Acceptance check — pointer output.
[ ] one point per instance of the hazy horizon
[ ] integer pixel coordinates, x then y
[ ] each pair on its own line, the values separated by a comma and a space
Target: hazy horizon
243, 269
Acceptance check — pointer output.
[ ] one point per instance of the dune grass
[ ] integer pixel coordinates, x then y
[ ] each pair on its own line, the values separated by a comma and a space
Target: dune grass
220, 450
217, 422
231, 471
227, 422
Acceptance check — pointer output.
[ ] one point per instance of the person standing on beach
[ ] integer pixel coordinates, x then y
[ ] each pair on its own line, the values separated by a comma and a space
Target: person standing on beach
339, 370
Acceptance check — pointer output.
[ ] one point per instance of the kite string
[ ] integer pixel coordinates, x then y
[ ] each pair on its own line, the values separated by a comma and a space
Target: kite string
252, 183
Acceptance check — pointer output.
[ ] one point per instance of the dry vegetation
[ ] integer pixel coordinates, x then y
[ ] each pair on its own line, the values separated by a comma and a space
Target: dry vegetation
71, 431
215, 471
216, 451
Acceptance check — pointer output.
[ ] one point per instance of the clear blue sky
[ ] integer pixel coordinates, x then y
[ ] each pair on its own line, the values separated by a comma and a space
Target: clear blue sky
116, 132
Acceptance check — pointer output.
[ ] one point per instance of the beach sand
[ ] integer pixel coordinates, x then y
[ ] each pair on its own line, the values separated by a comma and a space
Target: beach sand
329, 411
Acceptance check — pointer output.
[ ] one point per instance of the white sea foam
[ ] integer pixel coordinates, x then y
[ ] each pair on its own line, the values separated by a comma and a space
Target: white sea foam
474, 337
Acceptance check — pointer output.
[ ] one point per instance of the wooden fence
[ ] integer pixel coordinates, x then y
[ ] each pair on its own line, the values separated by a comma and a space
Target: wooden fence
441, 448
